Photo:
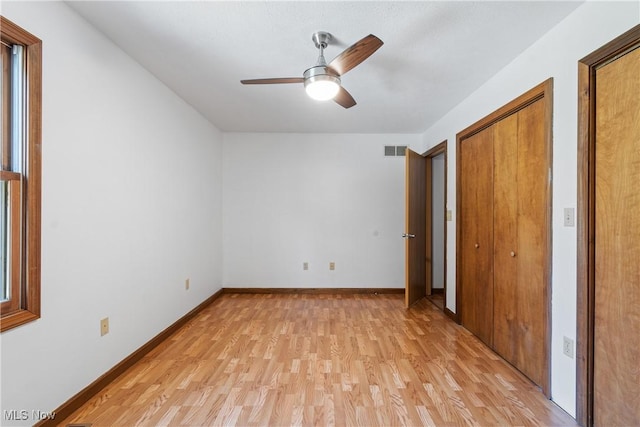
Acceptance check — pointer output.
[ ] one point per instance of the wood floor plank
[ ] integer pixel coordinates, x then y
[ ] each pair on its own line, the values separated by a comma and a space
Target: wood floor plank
329, 360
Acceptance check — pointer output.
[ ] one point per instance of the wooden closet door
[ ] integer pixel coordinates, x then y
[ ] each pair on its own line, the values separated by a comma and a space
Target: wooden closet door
616, 358
476, 156
520, 230
520, 233
504, 200
531, 254
505, 193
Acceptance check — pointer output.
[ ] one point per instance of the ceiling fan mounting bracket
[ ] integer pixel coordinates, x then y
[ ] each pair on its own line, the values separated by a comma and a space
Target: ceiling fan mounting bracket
321, 39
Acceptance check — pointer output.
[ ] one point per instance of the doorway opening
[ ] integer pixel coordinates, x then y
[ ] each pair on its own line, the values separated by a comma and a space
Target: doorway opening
436, 227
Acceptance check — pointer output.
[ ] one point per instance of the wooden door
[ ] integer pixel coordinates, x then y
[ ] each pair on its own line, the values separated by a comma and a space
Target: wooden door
521, 194
504, 200
505, 193
616, 357
428, 271
476, 234
533, 248
415, 228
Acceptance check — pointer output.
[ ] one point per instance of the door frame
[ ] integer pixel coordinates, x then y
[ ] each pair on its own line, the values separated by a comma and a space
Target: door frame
586, 216
435, 151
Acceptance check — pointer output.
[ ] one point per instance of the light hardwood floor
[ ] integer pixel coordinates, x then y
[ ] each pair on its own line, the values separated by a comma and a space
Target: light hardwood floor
321, 360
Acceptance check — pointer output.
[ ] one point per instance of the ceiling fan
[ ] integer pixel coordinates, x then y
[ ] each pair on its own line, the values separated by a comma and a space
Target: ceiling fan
322, 81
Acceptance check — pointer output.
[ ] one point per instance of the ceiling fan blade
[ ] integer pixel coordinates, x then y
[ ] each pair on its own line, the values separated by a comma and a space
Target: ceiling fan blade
355, 54
272, 81
344, 98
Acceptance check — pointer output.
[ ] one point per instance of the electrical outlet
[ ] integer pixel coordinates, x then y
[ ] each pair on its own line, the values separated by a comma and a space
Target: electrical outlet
305, 265
104, 326
186, 284
567, 347
332, 265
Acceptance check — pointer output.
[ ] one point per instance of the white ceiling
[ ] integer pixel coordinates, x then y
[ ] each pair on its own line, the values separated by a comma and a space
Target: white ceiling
435, 54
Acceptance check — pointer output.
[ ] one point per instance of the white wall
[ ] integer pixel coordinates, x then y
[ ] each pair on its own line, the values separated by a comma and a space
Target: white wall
131, 207
555, 55
295, 198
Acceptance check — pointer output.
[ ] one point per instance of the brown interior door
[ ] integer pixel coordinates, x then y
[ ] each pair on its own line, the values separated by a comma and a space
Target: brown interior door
505, 310
532, 251
415, 228
428, 272
476, 216
520, 230
616, 358
503, 231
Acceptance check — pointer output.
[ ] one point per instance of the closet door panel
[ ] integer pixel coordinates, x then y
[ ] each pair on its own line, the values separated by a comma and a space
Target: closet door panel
531, 346
505, 188
477, 234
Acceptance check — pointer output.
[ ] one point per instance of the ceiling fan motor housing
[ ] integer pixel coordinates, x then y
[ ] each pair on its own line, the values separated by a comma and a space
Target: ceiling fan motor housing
320, 72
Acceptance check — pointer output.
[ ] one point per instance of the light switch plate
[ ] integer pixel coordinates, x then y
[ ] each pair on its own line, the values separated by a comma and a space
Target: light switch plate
569, 217
567, 347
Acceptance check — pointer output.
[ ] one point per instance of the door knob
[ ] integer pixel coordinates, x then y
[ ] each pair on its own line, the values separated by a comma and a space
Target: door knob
409, 236
477, 246
513, 253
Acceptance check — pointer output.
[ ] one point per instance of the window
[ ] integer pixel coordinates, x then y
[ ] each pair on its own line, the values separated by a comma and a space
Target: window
20, 153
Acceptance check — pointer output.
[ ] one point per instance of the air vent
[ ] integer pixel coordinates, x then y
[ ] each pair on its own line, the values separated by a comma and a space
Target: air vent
395, 150
389, 150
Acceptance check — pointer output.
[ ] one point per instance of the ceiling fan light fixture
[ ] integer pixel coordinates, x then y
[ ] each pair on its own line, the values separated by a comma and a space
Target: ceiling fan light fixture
320, 84
322, 90
322, 81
